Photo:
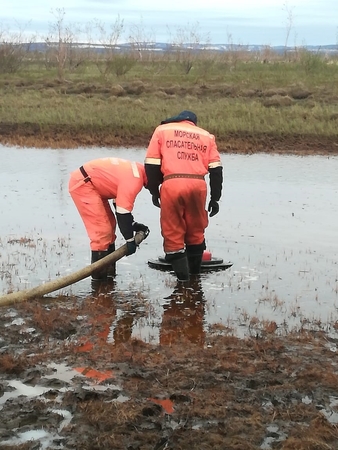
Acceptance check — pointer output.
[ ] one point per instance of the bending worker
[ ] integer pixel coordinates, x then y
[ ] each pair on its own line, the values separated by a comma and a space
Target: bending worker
178, 157
91, 186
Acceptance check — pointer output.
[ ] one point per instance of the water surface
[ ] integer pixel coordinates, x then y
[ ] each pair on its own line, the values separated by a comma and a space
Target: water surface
277, 224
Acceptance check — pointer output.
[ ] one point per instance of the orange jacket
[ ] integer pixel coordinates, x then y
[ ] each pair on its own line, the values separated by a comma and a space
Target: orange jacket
119, 179
183, 148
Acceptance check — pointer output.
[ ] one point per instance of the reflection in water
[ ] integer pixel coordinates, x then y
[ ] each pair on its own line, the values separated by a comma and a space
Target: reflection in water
182, 318
104, 294
183, 315
123, 324
103, 289
123, 329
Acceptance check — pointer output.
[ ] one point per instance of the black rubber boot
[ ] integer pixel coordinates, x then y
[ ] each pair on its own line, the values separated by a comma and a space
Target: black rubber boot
99, 275
195, 262
112, 268
195, 255
179, 262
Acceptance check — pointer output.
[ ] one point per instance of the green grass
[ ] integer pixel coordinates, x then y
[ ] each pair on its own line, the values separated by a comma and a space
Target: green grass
280, 98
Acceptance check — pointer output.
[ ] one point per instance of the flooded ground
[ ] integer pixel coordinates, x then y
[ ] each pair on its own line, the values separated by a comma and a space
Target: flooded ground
143, 365
277, 224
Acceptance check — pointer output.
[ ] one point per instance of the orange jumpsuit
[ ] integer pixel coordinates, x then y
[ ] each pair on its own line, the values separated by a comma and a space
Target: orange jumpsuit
110, 178
185, 153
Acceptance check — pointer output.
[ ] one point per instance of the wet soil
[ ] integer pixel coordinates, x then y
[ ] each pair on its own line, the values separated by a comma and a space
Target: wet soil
210, 391
31, 135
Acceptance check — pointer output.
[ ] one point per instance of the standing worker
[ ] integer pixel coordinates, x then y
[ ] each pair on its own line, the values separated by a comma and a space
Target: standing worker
179, 156
91, 186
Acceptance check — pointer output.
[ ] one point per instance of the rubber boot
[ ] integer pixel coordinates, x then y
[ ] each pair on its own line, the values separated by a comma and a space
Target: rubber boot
179, 262
112, 268
195, 262
195, 255
99, 275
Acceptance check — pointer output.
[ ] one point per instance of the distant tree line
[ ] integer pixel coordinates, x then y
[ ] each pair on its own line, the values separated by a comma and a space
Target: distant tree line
69, 47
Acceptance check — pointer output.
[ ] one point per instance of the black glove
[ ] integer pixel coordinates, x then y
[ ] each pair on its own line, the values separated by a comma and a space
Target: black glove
156, 201
140, 227
213, 208
131, 247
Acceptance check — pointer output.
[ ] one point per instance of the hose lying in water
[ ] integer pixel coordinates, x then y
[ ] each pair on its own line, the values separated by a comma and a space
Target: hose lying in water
54, 285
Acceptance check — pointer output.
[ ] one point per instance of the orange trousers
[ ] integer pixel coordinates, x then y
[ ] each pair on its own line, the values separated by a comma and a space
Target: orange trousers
183, 215
95, 211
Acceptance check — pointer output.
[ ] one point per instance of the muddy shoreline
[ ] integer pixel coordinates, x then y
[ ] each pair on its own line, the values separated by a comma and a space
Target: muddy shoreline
262, 392
32, 135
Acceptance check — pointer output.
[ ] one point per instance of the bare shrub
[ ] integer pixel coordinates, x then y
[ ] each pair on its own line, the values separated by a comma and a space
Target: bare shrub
112, 59
235, 53
310, 61
13, 50
61, 47
186, 46
120, 64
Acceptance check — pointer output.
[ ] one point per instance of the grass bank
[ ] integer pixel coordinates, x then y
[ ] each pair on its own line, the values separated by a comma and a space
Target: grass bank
250, 107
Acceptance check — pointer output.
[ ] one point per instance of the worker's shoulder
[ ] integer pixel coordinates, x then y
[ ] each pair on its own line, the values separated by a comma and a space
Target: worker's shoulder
204, 132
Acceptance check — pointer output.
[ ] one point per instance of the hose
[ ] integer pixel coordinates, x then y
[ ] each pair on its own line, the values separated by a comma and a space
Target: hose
54, 285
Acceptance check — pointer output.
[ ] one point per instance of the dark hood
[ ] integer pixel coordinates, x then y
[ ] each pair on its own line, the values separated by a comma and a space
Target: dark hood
184, 115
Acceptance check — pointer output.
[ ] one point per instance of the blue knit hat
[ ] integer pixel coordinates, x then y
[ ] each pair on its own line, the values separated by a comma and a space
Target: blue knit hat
184, 115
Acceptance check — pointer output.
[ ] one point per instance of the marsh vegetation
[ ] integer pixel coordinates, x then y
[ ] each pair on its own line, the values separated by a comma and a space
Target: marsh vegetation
67, 95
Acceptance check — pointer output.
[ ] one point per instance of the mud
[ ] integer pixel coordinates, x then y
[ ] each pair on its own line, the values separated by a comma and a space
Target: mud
63, 385
32, 135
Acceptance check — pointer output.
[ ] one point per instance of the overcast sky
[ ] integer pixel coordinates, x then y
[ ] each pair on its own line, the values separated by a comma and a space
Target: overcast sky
247, 22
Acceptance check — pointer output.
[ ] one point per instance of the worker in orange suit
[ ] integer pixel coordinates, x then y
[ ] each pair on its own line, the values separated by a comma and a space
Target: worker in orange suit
91, 186
179, 156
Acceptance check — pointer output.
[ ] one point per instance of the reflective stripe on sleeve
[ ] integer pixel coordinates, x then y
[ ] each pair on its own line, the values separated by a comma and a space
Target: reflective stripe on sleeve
121, 210
134, 168
212, 165
155, 161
